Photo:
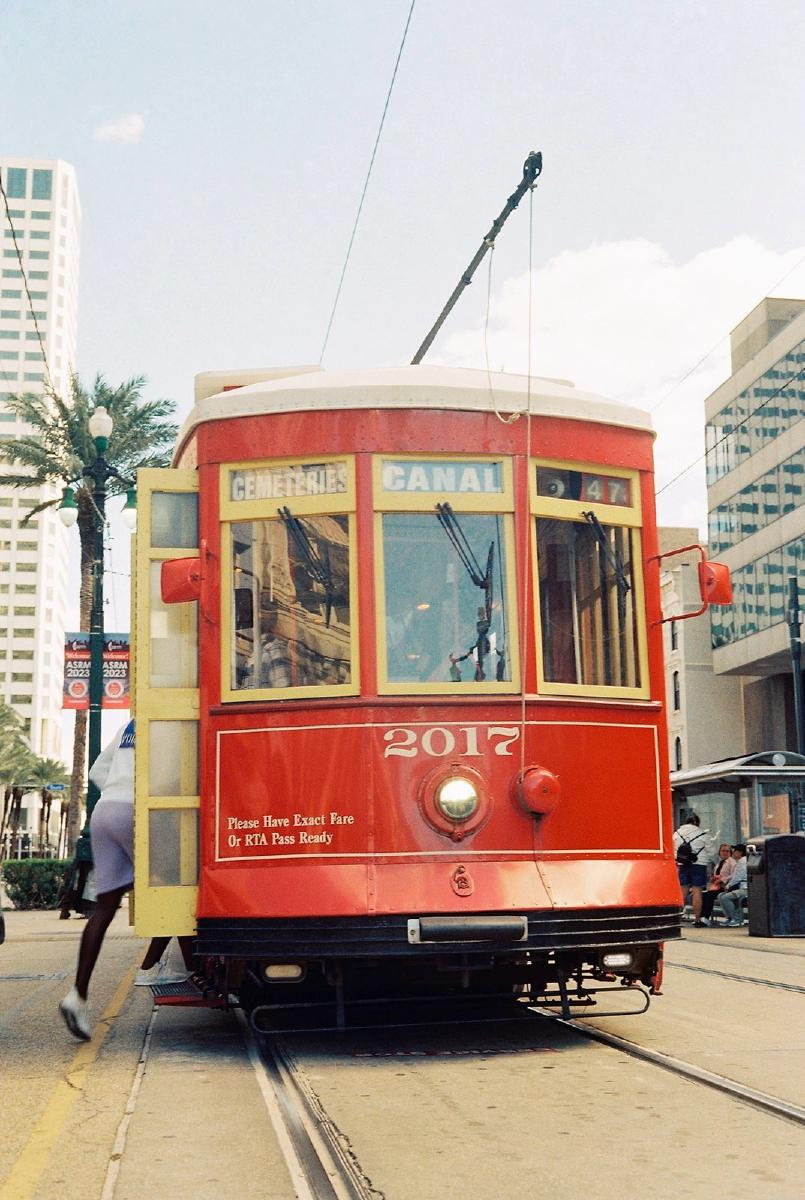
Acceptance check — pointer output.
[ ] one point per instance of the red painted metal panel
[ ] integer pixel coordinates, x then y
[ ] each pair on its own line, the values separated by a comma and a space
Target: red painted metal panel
604, 846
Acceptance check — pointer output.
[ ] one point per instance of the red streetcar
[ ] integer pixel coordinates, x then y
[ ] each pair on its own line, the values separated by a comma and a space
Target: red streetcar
399, 688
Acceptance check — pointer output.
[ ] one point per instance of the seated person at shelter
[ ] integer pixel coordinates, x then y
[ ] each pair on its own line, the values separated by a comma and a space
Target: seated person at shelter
735, 891
721, 877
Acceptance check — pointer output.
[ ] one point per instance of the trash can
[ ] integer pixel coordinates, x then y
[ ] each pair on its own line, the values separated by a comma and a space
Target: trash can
775, 885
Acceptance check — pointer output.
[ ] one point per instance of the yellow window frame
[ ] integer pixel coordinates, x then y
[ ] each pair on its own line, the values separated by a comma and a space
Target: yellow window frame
626, 516
160, 910
326, 504
463, 502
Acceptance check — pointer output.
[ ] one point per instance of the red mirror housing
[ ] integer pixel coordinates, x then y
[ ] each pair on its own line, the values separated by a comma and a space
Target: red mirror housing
180, 580
715, 585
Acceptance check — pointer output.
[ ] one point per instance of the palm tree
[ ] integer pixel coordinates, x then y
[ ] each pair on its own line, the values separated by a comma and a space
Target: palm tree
56, 451
45, 772
16, 763
16, 766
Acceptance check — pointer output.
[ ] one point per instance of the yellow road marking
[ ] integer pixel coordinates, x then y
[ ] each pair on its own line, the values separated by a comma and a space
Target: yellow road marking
28, 1169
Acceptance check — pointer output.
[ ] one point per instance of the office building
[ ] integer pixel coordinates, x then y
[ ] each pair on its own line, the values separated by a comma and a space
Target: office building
755, 475
42, 227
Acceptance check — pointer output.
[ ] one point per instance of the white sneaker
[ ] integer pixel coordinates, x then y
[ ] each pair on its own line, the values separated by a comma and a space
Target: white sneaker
156, 974
174, 977
74, 1012
146, 976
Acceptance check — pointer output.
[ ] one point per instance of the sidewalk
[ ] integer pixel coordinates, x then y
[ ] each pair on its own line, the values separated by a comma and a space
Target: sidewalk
161, 1102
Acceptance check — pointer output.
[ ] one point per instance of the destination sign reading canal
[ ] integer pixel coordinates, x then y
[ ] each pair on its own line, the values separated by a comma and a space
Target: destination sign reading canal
429, 475
288, 481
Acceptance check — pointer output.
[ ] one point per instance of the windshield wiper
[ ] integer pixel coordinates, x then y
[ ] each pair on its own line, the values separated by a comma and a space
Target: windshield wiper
612, 556
318, 568
449, 523
460, 542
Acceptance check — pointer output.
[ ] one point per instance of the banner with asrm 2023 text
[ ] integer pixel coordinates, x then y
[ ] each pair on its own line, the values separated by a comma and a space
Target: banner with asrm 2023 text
115, 671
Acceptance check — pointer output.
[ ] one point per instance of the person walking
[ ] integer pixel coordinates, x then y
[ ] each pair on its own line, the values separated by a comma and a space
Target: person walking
691, 850
112, 832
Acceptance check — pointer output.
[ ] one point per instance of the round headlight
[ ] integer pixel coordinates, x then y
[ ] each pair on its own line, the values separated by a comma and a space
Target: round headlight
457, 798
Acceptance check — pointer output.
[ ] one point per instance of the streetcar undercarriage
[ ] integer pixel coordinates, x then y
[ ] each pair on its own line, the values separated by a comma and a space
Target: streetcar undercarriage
316, 969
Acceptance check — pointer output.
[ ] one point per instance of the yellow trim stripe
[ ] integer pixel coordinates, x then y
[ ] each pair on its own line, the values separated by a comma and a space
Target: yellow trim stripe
32, 1161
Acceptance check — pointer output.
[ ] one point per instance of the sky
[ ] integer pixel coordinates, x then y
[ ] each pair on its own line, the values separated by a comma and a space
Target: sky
221, 151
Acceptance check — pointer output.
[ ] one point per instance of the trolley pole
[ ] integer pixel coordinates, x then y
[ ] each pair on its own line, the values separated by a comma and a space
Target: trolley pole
532, 169
794, 620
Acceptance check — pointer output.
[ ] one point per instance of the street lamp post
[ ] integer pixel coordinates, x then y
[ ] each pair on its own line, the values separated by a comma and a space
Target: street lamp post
794, 622
97, 474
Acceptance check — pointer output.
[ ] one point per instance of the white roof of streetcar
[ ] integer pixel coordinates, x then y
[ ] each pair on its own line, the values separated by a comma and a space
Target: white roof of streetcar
225, 394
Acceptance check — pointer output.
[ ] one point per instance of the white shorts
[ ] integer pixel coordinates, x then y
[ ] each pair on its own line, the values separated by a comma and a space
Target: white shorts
111, 828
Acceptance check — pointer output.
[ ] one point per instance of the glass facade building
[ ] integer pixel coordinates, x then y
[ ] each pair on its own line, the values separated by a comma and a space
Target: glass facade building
40, 243
755, 439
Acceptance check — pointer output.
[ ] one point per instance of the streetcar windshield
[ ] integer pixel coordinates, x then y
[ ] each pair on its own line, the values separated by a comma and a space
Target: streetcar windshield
588, 615
290, 603
445, 577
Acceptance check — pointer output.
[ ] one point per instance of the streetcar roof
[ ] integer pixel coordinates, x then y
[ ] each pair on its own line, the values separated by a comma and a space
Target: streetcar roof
226, 394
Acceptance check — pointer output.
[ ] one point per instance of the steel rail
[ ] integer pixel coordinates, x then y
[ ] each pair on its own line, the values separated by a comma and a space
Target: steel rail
772, 983
329, 1170
720, 1083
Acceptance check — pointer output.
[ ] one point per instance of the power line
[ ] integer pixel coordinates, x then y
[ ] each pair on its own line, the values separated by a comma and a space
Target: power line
25, 281
715, 347
735, 428
366, 185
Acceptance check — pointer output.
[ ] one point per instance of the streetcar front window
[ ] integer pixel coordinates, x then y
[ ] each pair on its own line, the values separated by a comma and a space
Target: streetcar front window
445, 586
290, 603
588, 611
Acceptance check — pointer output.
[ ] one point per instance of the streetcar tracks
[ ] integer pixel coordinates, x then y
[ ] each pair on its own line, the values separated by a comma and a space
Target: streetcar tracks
772, 983
738, 1091
317, 1154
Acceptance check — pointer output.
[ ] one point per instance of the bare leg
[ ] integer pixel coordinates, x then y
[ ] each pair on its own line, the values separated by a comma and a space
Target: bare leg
186, 947
154, 952
696, 902
92, 938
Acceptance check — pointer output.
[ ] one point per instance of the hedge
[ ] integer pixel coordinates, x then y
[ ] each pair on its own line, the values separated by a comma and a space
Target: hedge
35, 882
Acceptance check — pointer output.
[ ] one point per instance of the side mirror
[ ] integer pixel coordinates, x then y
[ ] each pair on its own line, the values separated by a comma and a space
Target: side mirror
715, 585
180, 580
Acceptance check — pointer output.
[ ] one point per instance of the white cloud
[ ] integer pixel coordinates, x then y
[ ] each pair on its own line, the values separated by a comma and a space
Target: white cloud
626, 321
128, 128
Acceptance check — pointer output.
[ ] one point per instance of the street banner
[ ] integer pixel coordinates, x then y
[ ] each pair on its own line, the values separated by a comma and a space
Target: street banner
115, 671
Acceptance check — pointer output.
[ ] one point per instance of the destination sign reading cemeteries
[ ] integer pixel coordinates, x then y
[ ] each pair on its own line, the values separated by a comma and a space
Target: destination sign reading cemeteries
288, 481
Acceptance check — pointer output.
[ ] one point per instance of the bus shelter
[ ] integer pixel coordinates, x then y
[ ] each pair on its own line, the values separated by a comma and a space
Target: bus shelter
738, 799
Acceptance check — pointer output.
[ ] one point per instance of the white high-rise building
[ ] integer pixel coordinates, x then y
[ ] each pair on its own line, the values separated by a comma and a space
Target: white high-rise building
45, 215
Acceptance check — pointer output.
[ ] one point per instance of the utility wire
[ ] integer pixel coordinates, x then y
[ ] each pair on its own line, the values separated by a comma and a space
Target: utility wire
25, 281
735, 428
366, 185
715, 347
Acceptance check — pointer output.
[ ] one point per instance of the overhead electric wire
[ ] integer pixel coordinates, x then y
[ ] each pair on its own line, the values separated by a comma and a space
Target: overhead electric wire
366, 184
748, 417
31, 311
714, 347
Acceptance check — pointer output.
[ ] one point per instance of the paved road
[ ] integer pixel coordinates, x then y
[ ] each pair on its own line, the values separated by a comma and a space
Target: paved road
169, 1105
